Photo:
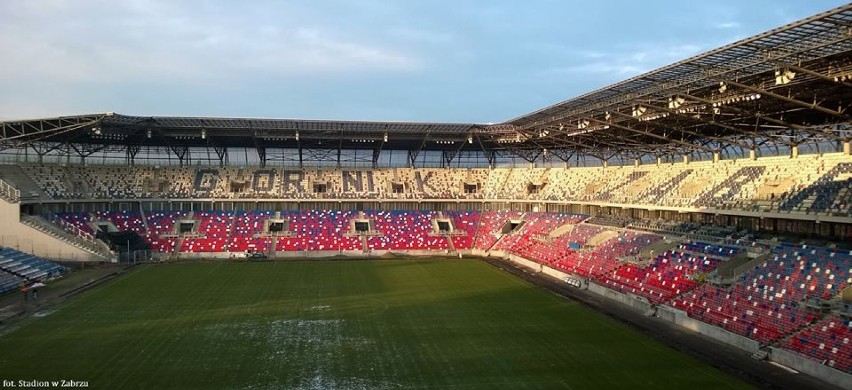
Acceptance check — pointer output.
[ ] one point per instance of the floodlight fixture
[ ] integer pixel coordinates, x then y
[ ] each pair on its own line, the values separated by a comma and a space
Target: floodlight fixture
784, 76
676, 102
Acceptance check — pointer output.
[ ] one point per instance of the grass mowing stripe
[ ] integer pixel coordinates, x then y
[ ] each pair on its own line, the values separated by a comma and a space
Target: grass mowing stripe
358, 324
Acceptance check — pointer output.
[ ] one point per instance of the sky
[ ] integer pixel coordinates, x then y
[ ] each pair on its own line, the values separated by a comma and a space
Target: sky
464, 61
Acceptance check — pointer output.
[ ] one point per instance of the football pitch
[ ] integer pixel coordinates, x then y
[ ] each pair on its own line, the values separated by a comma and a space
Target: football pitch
383, 324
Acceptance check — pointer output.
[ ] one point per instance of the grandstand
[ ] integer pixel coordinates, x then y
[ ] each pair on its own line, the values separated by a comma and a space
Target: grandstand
709, 193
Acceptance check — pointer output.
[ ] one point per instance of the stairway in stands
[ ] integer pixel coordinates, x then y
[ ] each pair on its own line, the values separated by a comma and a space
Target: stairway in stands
15, 176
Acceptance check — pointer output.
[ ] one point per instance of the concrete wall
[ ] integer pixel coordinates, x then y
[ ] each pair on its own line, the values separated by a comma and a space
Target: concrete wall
810, 367
631, 300
555, 273
526, 263
14, 234
679, 317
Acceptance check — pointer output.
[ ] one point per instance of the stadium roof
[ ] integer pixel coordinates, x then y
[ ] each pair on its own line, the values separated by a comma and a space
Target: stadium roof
787, 86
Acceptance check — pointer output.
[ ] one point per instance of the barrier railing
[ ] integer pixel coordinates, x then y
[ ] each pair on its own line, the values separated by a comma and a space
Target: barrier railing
9, 192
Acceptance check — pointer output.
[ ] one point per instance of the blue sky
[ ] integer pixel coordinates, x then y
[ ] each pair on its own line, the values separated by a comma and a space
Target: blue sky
410, 60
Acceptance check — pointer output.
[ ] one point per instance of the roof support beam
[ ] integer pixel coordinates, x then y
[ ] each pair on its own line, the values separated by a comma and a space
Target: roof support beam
447, 157
529, 155
699, 119
490, 156
376, 154
563, 154
457, 151
413, 154
181, 152
378, 151
750, 114
86, 150
222, 153
812, 73
764, 91
130, 154
41, 133
261, 155
652, 135
560, 142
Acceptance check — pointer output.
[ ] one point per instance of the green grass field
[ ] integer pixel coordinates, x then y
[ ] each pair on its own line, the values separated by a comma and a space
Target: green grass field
339, 325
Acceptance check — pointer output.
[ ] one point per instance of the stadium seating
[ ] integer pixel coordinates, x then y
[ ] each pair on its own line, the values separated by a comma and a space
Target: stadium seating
603, 258
767, 302
667, 276
25, 267
404, 230
9, 281
490, 223
806, 184
246, 235
831, 193
465, 224
214, 229
828, 342
160, 224
319, 230
217, 231
536, 226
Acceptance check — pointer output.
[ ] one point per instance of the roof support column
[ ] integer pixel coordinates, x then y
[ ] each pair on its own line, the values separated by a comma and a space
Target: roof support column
412, 158
490, 155
261, 155
376, 154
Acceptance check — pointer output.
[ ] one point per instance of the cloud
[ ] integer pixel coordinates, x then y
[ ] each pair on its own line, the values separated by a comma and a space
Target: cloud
726, 25
165, 41
626, 63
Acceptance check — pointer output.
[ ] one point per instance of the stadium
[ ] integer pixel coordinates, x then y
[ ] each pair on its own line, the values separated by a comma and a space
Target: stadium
687, 227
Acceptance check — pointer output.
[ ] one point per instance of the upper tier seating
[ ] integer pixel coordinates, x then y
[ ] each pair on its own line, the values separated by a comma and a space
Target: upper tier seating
806, 184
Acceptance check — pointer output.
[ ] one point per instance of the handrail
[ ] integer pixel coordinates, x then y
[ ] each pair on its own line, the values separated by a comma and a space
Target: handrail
9, 192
